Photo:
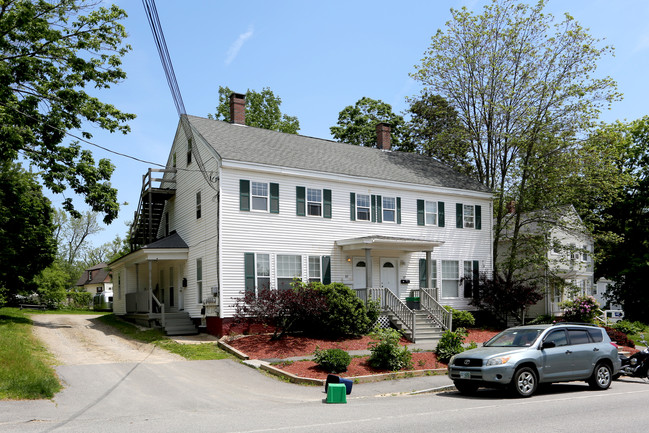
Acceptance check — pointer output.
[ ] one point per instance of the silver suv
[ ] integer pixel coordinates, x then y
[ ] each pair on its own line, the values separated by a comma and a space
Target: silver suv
525, 356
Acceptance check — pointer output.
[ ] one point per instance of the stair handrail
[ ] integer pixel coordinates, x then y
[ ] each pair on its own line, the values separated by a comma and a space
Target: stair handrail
436, 310
392, 303
162, 309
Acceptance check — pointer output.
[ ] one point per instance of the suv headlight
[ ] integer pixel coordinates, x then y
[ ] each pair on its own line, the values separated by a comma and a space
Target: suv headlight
498, 361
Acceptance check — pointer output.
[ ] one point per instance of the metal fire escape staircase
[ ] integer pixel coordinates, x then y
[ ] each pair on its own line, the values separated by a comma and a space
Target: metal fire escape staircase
148, 217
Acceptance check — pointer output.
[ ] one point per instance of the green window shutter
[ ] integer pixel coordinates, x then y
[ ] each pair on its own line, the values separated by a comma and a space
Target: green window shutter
476, 278
249, 272
352, 206
244, 195
373, 199
478, 217
326, 269
398, 210
459, 215
421, 216
274, 198
379, 209
326, 203
440, 214
423, 276
300, 203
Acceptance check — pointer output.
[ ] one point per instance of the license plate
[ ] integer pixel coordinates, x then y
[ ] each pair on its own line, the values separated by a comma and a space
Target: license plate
465, 375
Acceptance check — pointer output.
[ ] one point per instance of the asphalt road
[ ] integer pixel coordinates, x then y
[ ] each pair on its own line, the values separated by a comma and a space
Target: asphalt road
226, 396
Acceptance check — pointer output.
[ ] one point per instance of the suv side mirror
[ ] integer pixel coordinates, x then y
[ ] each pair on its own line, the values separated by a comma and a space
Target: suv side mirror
548, 345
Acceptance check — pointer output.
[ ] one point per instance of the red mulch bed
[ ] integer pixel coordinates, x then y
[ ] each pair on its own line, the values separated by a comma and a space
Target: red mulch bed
262, 347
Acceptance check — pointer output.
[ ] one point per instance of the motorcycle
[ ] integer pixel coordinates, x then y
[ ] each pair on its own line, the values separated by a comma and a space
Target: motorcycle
636, 365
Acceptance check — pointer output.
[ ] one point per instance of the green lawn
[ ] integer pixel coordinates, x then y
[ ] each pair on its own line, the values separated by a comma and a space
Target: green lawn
25, 366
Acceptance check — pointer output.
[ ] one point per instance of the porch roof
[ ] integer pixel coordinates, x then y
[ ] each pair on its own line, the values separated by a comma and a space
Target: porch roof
376, 242
171, 247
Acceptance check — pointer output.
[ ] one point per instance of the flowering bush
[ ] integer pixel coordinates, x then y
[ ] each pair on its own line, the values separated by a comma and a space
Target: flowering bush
580, 309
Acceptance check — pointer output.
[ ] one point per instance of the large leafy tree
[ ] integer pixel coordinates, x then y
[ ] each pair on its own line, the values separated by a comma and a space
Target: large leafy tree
525, 89
357, 123
624, 234
26, 230
262, 111
51, 52
434, 129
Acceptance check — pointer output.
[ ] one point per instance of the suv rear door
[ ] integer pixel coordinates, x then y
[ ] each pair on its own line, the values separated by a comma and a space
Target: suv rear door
584, 352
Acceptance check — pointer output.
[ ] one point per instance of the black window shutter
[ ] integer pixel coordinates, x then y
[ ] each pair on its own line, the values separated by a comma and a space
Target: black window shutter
352, 206
476, 278
244, 195
441, 222
478, 217
373, 208
300, 205
398, 210
421, 216
326, 269
459, 215
379, 209
274, 198
423, 275
326, 203
249, 272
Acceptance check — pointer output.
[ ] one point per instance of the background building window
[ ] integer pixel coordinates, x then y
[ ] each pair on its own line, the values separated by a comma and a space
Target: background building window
198, 205
199, 279
469, 216
315, 270
431, 213
389, 209
263, 272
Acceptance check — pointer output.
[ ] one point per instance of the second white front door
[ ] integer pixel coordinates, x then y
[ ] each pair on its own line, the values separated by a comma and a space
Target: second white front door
389, 275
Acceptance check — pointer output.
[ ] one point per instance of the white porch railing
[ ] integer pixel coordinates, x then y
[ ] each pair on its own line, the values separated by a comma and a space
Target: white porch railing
428, 302
162, 310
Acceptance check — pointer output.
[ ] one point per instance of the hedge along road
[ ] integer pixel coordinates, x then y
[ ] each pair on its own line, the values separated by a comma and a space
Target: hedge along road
82, 340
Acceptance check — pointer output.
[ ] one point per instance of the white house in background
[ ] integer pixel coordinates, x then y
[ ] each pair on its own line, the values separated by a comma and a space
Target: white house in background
570, 269
238, 209
96, 279
601, 287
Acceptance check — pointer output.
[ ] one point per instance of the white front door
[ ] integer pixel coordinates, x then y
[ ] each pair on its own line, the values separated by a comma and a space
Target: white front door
389, 275
359, 273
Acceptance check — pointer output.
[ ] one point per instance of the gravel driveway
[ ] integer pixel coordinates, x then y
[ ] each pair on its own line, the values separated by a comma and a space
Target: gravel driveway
83, 340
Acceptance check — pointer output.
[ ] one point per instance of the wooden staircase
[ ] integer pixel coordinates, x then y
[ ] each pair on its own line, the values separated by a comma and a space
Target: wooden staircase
426, 329
148, 217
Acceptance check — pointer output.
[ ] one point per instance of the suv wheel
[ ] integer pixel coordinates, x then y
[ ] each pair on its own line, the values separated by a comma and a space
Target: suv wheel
466, 387
601, 378
524, 382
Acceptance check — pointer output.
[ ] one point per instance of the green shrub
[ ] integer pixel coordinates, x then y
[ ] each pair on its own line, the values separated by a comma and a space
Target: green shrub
386, 352
580, 309
450, 344
629, 327
345, 313
332, 360
79, 300
543, 319
461, 318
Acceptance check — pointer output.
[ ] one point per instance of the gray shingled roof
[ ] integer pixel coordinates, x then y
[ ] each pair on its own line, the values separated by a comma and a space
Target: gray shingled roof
256, 145
172, 241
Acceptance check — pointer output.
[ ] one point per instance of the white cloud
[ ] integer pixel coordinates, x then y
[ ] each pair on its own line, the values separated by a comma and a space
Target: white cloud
236, 46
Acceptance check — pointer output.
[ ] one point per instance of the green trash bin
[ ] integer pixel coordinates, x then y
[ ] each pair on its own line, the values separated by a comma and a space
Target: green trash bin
413, 302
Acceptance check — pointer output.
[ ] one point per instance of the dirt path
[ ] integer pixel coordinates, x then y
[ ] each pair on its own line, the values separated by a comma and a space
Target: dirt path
82, 340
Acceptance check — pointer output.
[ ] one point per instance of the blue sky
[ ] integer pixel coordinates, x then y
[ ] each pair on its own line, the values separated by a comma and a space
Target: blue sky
318, 56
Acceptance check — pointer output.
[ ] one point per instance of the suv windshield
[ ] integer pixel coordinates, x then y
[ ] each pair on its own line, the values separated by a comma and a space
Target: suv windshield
514, 338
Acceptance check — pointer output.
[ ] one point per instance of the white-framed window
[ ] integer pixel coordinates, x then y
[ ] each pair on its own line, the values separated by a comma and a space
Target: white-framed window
288, 268
199, 279
198, 205
469, 216
262, 272
389, 209
431, 213
450, 278
259, 196
314, 201
584, 253
363, 207
315, 269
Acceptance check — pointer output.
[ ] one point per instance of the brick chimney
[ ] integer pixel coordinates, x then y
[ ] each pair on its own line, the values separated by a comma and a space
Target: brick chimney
238, 108
383, 136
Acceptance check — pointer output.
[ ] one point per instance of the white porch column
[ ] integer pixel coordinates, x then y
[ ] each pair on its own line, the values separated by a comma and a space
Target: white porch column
368, 268
150, 290
429, 274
